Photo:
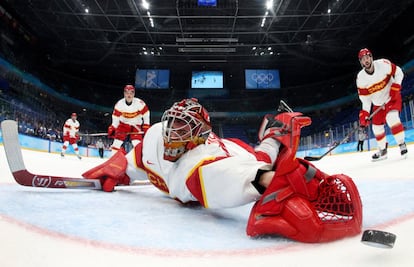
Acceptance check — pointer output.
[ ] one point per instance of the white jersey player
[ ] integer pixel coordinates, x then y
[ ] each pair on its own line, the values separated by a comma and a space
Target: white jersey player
131, 117
182, 157
379, 83
70, 135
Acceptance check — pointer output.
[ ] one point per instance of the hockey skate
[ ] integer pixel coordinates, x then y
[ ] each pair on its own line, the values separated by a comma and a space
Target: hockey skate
380, 155
79, 157
403, 150
62, 155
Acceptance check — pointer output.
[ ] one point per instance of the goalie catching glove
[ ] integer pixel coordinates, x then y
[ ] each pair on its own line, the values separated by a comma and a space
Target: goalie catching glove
301, 202
309, 206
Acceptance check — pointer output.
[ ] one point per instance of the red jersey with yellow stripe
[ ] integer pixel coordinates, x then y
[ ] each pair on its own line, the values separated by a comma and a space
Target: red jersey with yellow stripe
375, 88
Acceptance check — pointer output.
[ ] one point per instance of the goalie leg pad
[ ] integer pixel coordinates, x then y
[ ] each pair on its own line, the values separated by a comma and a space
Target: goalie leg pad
335, 213
111, 172
303, 181
296, 221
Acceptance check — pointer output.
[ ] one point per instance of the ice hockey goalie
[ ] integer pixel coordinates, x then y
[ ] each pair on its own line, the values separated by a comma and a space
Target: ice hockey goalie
183, 158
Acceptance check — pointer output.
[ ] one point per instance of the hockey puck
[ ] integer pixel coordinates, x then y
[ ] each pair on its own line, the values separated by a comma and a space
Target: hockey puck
379, 239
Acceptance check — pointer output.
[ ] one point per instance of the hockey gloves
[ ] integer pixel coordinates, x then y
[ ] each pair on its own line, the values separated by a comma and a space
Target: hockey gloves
364, 118
111, 131
395, 95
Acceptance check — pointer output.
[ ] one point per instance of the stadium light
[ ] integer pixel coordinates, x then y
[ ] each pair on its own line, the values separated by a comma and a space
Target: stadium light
145, 4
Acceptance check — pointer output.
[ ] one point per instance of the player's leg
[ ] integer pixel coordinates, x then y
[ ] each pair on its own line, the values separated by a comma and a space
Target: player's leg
73, 143
378, 128
116, 146
119, 137
64, 147
136, 135
76, 149
397, 130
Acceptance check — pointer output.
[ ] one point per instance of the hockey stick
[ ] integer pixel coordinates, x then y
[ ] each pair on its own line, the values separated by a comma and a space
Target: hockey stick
24, 177
283, 107
93, 134
312, 158
105, 134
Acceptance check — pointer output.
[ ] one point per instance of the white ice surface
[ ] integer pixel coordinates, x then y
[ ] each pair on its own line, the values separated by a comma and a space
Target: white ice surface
140, 226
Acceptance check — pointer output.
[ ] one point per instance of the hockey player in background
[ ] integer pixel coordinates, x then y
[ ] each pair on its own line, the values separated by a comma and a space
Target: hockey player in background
131, 117
71, 135
183, 158
378, 83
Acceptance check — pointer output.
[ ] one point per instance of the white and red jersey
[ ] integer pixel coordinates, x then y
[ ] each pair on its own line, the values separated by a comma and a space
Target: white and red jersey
375, 88
71, 128
217, 174
134, 114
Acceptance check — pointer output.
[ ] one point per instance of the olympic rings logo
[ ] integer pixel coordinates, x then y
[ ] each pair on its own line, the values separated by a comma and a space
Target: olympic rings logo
262, 77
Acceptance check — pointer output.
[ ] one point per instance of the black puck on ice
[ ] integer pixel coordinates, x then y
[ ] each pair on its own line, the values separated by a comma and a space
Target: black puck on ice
379, 239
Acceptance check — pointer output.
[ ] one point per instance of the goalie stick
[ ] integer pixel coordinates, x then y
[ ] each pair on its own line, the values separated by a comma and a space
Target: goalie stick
312, 158
93, 134
283, 107
24, 177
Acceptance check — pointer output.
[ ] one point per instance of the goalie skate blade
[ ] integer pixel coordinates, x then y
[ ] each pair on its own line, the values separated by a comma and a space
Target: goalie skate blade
379, 239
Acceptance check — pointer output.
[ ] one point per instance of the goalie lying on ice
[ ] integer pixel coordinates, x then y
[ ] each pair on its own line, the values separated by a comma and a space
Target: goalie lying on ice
182, 157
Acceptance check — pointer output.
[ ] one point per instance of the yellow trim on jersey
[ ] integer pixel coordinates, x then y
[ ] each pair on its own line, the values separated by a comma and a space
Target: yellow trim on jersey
203, 191
200, 175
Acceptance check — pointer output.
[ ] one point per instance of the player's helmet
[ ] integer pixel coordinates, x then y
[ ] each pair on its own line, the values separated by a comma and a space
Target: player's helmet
128, 88
363, 52
185, 125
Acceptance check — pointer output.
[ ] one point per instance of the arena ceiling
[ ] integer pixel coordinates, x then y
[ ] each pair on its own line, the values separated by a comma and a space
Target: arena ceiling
80, 35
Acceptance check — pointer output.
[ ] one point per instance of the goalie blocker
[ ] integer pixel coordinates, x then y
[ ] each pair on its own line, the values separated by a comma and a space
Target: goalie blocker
302, 202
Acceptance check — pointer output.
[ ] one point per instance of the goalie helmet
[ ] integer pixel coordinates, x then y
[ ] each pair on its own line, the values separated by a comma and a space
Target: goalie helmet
185, 125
